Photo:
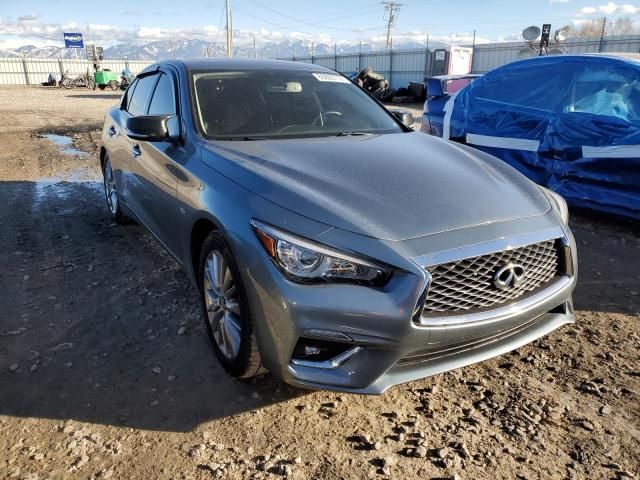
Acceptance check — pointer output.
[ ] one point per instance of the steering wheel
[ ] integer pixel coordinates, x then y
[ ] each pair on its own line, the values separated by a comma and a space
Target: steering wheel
321, 118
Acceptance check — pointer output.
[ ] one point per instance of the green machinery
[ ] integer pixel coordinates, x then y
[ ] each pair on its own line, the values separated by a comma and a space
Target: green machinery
106, 78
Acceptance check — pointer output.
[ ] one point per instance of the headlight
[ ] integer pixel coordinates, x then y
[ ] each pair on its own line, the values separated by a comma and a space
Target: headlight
305, 261
558, 203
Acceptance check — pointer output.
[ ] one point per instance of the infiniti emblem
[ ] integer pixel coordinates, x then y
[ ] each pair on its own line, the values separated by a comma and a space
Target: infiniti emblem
511, 275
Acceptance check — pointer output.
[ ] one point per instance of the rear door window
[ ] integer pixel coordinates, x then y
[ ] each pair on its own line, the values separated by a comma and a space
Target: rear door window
128, 94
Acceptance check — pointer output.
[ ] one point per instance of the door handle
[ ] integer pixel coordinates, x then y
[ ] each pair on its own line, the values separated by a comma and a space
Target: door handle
135, 150
112, 131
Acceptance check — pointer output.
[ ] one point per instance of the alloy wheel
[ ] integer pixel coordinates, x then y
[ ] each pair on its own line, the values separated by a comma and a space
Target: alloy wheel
110, 188
222, 304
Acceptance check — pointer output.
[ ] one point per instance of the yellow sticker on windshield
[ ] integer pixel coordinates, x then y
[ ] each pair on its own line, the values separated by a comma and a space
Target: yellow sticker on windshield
328, 77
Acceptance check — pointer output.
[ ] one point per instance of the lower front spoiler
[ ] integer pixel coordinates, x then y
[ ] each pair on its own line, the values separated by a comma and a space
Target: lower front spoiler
419, 366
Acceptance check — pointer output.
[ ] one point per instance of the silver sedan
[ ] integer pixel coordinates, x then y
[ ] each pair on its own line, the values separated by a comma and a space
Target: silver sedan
331, 244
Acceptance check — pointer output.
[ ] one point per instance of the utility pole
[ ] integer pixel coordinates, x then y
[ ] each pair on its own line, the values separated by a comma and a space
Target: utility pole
229, 30
604, 26
255, 52
392, 9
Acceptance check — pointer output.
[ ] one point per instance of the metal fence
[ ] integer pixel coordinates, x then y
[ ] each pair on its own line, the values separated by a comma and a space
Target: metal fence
398, 66
403, 66
32, 71
488, 56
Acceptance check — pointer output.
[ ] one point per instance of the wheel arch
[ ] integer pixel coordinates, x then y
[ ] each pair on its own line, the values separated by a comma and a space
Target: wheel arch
199, 231
103, 155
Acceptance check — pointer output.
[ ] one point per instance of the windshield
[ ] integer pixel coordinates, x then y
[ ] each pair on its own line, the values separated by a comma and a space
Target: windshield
257, 104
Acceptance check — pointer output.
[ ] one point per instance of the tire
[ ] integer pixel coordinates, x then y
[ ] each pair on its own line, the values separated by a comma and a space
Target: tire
226, 311
91, 85
111, 192
365, 72
379, 85
113, 85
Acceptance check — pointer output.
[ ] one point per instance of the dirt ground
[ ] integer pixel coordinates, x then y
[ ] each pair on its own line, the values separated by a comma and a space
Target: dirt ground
106, 371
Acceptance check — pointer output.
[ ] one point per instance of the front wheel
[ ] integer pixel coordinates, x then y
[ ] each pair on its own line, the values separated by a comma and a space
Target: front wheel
226, 310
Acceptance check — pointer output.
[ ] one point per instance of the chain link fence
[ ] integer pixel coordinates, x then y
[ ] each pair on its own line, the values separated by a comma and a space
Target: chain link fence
399, 66
33, 71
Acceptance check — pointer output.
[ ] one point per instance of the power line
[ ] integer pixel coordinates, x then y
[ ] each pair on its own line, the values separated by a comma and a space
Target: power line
215, 42
265, 21
273, 10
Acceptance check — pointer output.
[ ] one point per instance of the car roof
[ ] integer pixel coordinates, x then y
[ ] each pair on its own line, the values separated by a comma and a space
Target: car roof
200, 64
456, 77
619, 56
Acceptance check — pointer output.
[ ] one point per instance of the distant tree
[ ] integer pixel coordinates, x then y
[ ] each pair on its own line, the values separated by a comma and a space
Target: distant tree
593, 28
622, 26
590, 28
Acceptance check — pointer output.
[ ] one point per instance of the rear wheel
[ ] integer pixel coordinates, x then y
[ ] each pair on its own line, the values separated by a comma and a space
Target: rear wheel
113, 85
111, 192
226, 310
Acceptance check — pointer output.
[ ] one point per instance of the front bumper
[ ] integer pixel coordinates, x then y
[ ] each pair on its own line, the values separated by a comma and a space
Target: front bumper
452, 346
385, 346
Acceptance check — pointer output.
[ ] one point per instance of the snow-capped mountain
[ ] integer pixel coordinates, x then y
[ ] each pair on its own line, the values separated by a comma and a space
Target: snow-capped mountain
164, 49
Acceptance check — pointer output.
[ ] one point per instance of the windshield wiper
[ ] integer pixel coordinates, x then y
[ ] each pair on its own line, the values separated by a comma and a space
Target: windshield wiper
352, 134
245, 138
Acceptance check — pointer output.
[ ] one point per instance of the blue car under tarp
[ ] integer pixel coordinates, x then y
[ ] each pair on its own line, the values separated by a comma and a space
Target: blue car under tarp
571, 123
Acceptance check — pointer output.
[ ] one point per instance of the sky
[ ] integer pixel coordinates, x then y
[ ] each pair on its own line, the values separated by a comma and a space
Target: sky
41, 22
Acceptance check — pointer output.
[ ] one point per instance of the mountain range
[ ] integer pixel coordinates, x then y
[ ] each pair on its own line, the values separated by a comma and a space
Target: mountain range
164, 49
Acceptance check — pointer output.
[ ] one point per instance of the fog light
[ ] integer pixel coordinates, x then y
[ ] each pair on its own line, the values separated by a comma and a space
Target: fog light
311, 352
317, 350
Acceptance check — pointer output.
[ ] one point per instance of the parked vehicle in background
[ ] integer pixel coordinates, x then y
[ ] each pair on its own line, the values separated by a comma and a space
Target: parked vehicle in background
439, 90
569, 122
330, 243
84, 80
126, 78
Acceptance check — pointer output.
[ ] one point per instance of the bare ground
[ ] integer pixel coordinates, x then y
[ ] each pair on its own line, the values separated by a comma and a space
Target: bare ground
106, 371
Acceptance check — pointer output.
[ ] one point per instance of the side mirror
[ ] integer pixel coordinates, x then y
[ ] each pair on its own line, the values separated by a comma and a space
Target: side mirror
154, 128
405, 117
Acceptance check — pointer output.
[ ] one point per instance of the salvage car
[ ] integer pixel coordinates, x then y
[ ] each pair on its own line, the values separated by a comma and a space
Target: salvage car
330, 243
439, 90
568, 122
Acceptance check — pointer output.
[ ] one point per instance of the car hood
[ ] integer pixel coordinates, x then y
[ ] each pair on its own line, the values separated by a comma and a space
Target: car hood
392, 187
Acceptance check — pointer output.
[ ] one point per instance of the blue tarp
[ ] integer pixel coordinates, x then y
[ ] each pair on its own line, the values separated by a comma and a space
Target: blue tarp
571, 123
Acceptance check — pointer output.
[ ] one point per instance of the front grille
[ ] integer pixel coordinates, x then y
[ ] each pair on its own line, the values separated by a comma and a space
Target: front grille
467, 286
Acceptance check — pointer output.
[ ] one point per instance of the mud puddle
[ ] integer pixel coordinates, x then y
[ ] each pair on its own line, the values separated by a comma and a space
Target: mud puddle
65, 144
